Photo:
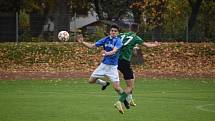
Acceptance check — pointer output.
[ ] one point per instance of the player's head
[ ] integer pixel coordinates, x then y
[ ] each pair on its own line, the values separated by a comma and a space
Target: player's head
114, 30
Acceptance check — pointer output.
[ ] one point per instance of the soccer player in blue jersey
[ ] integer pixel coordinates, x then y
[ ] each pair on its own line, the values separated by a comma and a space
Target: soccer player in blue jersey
108, 67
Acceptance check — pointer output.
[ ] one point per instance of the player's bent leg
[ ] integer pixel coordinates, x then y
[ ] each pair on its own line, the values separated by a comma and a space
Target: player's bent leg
105, 86
96, 80
122, 96
130, 86
117, 87
130, 100
128, 90
132, 103
118, 106
120, 91
126, 104
92, 80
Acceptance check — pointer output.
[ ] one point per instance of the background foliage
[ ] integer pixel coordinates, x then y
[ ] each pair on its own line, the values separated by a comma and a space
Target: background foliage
180, 57
161, 16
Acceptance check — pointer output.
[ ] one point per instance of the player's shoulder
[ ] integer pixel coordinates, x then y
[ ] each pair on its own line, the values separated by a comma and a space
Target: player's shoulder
127, 33
106, 38
120, 34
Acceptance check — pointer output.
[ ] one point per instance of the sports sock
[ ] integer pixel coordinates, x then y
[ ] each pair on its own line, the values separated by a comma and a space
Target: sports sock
129, 98
121, 91
101, 82
122, 97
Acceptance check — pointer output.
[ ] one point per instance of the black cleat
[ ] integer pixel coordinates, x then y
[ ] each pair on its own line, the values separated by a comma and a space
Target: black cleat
104, 87
127, 106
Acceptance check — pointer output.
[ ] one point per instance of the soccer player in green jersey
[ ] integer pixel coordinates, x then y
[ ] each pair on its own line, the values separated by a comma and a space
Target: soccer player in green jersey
130, 41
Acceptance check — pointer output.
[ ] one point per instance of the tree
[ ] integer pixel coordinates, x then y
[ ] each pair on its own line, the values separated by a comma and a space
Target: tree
195, 6
79, 7
59, 11
176, 16
152, 15
111, 9
9, 6
207, 11
98, 8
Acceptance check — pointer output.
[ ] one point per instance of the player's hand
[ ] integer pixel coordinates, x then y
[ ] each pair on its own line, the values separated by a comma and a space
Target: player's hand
136, 47
80, 38
103, 52
157, 43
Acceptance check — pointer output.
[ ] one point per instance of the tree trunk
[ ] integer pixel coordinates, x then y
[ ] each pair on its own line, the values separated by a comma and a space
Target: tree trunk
195, 11
137, 15
98, 8
61, 18
36, 24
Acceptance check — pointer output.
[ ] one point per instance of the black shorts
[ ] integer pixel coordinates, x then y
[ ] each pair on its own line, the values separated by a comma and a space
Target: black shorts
124, 67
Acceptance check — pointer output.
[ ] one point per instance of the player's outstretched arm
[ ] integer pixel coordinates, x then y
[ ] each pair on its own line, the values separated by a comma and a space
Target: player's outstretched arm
147, 44
80, 39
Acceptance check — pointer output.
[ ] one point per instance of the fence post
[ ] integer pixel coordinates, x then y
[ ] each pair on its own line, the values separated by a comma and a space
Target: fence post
17, 27
187, 29
75, 27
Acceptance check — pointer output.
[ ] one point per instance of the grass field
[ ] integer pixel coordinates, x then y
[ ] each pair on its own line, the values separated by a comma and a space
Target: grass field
75, 100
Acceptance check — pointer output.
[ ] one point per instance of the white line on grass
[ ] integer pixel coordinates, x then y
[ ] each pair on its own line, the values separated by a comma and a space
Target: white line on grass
204, 108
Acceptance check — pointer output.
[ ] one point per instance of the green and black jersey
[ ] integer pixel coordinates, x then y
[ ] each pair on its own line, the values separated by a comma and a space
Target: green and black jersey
129, 40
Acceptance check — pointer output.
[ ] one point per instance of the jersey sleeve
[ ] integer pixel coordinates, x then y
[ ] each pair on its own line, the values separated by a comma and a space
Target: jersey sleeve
139, 40
118, 43
101, 42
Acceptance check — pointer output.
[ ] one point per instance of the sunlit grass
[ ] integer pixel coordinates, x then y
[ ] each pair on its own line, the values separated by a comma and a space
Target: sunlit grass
76, 100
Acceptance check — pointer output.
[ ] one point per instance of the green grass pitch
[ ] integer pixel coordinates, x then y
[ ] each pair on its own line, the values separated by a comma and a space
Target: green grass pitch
75, 100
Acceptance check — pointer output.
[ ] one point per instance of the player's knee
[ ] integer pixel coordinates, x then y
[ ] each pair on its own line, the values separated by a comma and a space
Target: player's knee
130, 84
116, 87
91, 80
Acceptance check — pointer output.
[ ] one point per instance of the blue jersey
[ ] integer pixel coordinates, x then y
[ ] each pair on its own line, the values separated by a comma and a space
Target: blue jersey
108, 44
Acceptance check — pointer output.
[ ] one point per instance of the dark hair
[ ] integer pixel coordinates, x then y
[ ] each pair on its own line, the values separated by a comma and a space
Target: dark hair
115, 26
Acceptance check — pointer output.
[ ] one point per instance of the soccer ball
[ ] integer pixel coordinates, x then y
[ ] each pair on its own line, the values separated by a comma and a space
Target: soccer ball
63, 36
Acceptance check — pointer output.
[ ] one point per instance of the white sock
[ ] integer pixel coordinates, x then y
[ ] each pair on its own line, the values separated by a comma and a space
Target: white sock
129, 98
121, 91
101, 82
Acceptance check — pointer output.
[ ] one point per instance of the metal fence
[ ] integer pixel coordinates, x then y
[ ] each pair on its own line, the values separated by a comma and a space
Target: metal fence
176, 37
43, 29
